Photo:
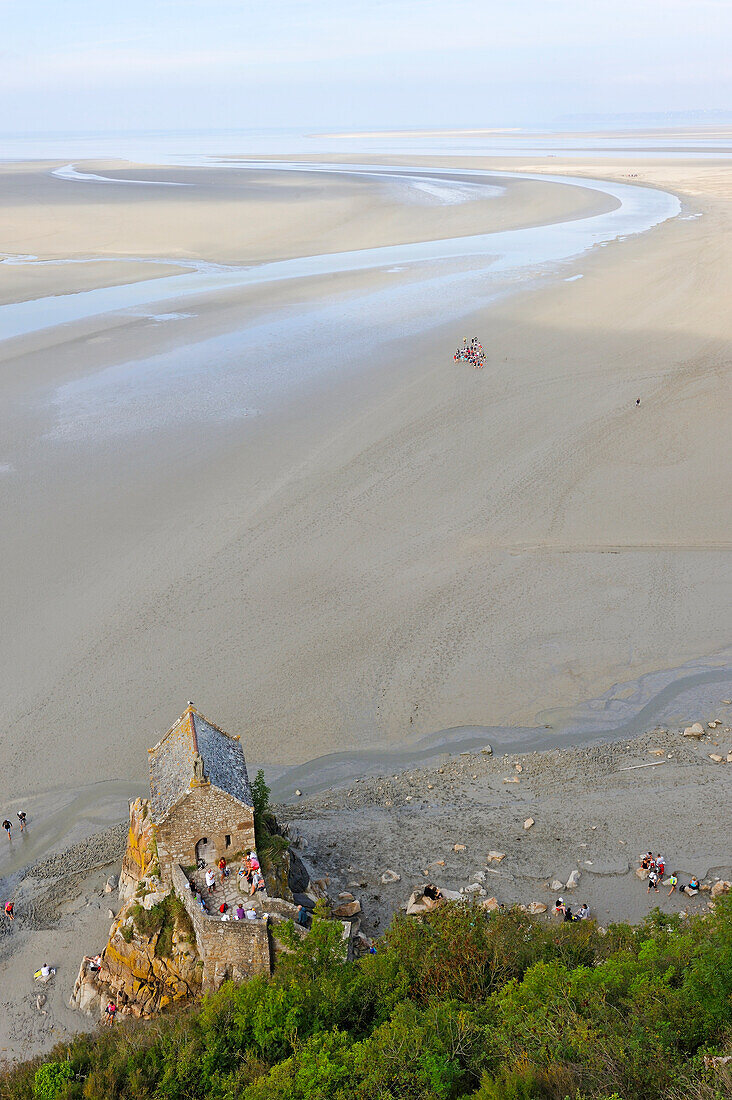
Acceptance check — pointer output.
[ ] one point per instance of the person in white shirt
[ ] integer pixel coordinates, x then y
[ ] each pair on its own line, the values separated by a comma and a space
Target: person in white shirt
210, 880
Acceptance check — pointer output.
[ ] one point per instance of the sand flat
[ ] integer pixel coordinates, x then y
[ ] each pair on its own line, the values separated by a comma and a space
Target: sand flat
396, 550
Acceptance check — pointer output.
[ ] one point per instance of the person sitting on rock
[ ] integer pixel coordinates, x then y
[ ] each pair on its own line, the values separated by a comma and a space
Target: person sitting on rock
432, 892
647, 861
583, 913
560, 908
257, 882
694, 883
254, 860
239, 914
94, 962
302, 917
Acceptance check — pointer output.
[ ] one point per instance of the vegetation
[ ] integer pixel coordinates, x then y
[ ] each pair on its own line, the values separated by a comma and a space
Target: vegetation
161, 920
271, 846
452, 1006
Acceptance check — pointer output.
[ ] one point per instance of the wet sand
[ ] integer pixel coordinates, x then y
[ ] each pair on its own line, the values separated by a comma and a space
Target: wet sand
473, 548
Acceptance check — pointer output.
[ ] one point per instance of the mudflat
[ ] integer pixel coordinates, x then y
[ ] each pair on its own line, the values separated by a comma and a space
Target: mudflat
402, 544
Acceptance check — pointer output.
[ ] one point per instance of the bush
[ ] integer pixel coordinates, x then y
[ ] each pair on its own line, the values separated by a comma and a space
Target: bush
51, 1080
452, 1006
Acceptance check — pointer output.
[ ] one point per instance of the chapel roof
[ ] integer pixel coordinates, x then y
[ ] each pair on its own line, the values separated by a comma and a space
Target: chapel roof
172, 762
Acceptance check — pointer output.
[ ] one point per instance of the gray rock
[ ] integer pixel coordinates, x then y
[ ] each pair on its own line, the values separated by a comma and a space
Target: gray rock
557, 885
40, 1001
697, 731
389, 877
573, 880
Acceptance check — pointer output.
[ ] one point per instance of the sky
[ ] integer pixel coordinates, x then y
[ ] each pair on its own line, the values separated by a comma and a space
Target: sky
91, 65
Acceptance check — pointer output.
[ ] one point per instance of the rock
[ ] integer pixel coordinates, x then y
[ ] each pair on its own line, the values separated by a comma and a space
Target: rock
487, 750
298, 793
529, 822
110, 914
721, 887
697, 731
345, 896
107, 888
641, 872
152, 899
519, 767
458, 847
419, 904
573, 880
689, 892
713, 725
515, 779
535, 908
490, 904
716, 758
113, 881
495, 857
479, 876
40, 1001
556, 886
348, 909
474, 888
389, 877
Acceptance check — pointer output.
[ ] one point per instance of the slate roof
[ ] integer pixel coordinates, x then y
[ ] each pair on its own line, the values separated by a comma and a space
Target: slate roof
171, 762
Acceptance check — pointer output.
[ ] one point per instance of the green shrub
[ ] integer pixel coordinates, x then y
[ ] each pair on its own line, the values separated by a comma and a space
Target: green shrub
51, 1080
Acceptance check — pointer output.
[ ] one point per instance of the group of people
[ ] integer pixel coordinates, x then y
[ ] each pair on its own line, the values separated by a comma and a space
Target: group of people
656, 867
8, 825
471, 353
561, 909
250, 871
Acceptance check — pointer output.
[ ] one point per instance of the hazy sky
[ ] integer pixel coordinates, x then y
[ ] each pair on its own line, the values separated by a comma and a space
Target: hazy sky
150, 64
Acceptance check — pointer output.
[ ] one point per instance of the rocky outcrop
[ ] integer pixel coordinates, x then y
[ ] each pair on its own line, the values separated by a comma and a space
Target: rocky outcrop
141, 854
142, 973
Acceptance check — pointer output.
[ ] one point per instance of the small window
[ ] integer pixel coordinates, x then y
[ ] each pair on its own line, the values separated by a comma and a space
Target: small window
227, 838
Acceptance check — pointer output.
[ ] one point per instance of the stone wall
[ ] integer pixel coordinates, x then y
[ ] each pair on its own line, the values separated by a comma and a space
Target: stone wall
229, 949
204, 811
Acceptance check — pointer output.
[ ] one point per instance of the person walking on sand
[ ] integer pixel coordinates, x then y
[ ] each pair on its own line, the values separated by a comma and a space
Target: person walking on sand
673, 882
8, 827
9, 910
22, 819
652, 881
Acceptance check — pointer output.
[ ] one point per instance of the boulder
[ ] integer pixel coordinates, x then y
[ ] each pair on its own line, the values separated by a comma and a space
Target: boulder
491, 904
556, 886
487, 750
529, 822
697, 731
390, 876
514, 779
721, 887
345, 896
419, 904
641, 872
40, 1001
110, 914
479, 876
458, 847
348, 909
153, 898
535, 908
495, 857
716, 757
474, 888
573, 881
298, 793
689, 892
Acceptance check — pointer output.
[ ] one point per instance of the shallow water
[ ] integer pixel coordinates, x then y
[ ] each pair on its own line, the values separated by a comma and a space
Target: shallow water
639, 209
